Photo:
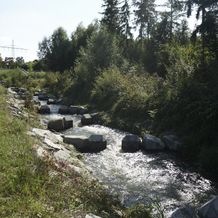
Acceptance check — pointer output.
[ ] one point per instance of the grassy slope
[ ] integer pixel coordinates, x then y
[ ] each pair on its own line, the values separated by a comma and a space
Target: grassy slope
27, 188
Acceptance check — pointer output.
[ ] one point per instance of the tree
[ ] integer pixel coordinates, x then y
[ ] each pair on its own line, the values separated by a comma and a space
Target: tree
111, 15
80, 38
54, 51
206, 10
175, 13
144, 16
124, 19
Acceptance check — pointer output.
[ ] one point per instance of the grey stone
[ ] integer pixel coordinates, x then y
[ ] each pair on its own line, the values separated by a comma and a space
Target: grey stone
68, 123
51, 101
64, 110
42, 97
172, 142
93, 144
184, 212
210, 209
131, 143
60, 124
56, 125
82, 110
96, 143
73, 109
152, 143
78, 141
44, 109
86, 119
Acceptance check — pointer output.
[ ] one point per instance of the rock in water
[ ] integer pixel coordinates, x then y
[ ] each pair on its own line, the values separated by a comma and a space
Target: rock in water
210, 209
96, 143
44, 109
68, 123
152, 143
42, 97
60, 124
172, 142
131, 143
64, 110
93, 144
86, 119
78, 141
184, 212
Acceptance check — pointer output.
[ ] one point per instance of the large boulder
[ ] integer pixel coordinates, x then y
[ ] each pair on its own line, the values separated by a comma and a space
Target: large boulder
86, 119
93, 144
210, 209
152, 143
184, 212
68, 123
77, 110
60, 124
42, 97
172, 142
51, 101
73, 109
131, 143
78, 141
44, 109
64, 110
96, 143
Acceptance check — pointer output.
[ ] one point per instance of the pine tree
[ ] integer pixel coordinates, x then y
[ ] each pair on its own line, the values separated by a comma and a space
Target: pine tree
208, 11
111, 15
144, 16
124, 19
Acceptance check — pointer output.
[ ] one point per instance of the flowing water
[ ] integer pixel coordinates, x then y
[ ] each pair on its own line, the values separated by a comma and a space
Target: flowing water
139, 177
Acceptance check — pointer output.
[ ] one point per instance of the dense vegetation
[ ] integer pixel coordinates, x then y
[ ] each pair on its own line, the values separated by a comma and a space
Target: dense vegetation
31, 187
163, 80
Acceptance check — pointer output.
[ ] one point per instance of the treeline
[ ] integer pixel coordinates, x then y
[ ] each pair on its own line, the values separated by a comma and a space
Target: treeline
165, 79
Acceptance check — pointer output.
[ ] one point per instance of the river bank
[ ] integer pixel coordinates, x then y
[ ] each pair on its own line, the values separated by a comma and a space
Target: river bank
66, 188
138, 177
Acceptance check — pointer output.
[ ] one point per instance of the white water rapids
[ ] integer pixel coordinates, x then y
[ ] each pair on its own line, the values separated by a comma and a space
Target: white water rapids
139, 177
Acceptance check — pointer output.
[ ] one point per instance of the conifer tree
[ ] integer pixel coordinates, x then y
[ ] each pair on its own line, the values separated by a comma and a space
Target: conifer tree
111, 15
144, 16
124, 19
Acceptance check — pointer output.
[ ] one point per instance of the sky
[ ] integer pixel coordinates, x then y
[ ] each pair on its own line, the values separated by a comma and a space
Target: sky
27, 22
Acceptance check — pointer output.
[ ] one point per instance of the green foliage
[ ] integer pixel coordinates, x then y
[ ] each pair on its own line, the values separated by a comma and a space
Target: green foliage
91, 61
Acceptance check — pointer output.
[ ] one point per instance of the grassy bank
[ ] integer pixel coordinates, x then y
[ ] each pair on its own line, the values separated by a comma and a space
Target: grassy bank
30, 187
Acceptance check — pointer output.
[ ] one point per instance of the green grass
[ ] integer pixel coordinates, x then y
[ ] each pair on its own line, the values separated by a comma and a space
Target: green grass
27, 188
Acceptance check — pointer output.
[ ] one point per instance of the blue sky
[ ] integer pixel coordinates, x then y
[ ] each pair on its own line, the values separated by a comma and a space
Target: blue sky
28, 21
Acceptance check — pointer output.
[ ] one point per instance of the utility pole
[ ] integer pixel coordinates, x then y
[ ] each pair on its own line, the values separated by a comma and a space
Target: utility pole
13, 48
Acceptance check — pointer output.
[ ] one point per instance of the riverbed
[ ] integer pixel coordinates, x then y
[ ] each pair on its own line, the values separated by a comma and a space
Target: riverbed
138, 177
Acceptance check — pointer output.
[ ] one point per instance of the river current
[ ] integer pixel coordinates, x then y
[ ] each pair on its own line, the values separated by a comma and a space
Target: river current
139, 177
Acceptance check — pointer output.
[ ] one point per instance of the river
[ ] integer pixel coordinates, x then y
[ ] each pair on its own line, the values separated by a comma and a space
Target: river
139, 177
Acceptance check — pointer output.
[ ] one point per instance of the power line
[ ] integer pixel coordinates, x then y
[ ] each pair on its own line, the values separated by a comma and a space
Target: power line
13, 48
